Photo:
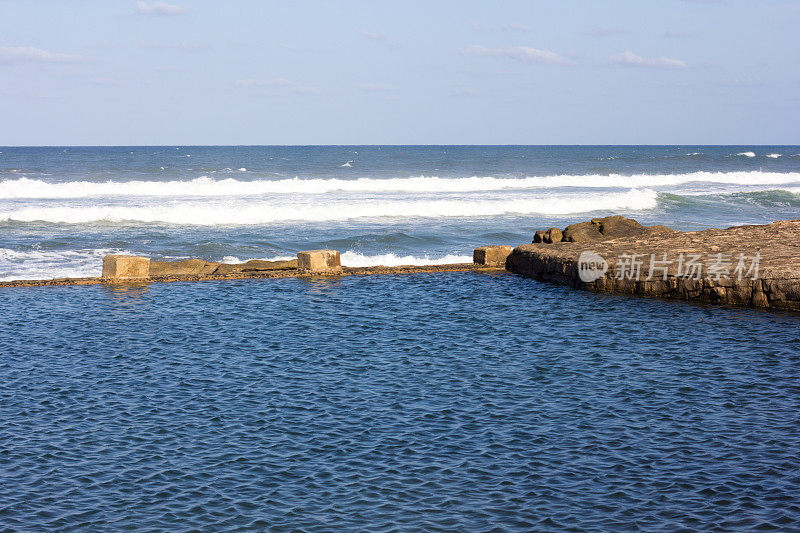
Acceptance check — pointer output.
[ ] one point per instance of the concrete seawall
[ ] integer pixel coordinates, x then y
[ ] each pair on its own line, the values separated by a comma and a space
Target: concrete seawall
754, 266
256, 274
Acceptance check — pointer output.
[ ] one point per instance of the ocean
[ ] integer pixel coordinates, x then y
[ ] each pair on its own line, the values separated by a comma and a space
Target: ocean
63, 208
420, 402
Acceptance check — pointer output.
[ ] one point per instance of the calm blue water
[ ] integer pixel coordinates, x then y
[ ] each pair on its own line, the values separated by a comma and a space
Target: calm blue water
63, 208
418, 402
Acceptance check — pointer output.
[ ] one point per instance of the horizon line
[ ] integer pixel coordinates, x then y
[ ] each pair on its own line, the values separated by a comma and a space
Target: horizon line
362, 145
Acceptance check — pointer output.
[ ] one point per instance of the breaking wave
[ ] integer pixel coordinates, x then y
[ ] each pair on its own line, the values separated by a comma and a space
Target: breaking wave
355, 259
47, 264
264, 212
207, 187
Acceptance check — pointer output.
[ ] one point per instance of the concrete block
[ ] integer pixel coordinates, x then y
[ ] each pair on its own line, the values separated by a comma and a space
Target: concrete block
126, 267
494, 256
319, 261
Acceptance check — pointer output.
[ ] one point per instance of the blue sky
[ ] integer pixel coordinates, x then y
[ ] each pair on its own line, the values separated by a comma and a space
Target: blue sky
379, 72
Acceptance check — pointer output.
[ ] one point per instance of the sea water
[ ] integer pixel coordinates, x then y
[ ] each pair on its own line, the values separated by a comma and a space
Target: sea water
63, 208
450, 401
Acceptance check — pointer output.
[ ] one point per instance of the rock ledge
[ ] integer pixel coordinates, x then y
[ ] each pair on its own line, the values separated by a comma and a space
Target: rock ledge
756, 266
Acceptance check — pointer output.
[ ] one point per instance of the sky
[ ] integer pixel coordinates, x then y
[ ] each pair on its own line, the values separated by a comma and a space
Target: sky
120, 72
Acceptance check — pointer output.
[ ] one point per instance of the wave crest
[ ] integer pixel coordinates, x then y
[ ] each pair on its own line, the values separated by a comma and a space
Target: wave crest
260, 212
204, 186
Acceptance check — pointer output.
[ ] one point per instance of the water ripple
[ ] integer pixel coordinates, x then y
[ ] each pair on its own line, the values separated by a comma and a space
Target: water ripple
420, 402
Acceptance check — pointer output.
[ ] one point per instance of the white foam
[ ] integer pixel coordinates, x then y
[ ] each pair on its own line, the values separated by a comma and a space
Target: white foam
355, 259
774, 156
232, 259
264, 212
746, 154
48, 264
207, 187
242, 169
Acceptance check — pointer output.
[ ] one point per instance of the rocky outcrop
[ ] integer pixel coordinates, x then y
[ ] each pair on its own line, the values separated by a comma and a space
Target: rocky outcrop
597, 229
755, 266
582, 232
552, 235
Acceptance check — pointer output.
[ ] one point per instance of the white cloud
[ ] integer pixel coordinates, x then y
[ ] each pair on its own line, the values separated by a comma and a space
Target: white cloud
372, 35
375, 87
28, 54
633, 60
276, 83
521, 53
159, 8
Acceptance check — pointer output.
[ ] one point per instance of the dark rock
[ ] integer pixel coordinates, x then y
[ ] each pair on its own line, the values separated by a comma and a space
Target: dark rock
552, 235
538, 237
617, 226
582, 232
598, 229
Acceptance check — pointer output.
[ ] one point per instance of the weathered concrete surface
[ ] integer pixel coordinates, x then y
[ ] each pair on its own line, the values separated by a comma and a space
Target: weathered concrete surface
319, 261
187, 267
494, 256
255, 265
124, 267
198, 267
263, 274
776, 284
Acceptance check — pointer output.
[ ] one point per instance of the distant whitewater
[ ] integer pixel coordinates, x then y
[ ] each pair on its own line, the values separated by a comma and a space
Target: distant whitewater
204, 186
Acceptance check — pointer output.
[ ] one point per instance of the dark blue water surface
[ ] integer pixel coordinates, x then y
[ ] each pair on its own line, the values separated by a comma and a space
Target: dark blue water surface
418, 402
